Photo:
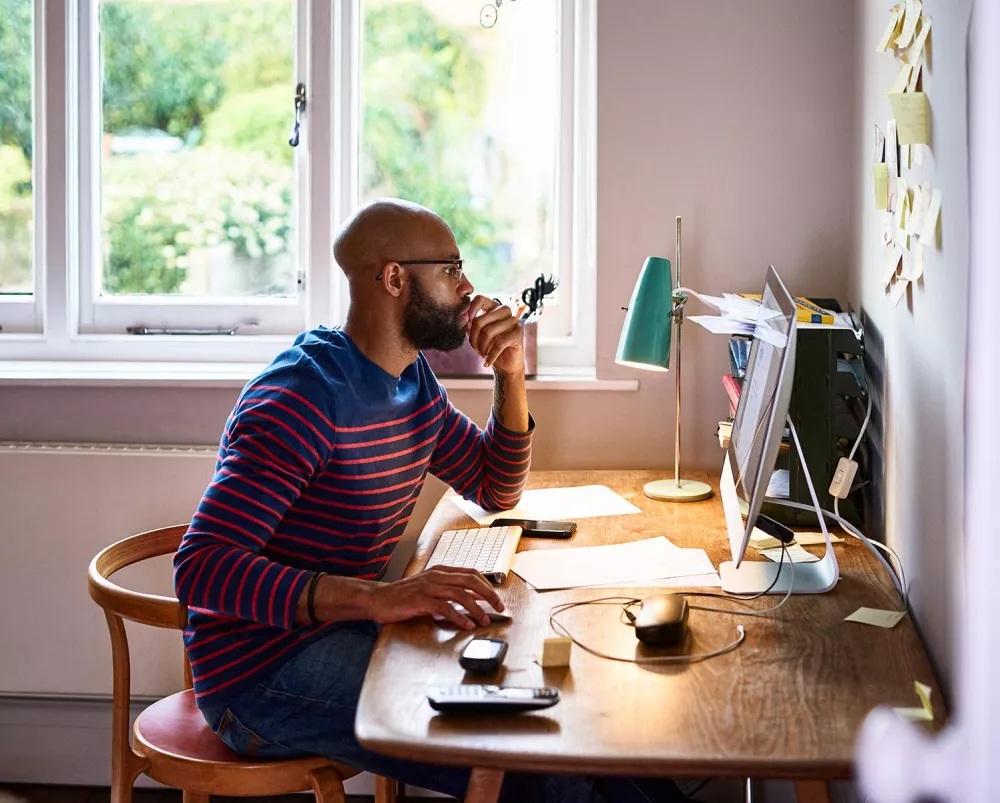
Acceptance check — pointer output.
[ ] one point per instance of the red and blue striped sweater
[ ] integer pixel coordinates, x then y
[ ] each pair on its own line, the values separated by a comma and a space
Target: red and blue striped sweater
319, 469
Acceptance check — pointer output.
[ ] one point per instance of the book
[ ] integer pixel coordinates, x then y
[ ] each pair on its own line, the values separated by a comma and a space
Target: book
805, 310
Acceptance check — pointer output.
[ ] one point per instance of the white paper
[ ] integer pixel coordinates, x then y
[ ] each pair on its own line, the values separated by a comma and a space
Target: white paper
778, 485
795, 554
556, 504
722, 326
694, 581
635, 562
876, 617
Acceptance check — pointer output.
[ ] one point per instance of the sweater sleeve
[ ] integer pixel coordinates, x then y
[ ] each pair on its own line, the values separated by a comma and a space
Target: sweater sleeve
275, 441
486, 466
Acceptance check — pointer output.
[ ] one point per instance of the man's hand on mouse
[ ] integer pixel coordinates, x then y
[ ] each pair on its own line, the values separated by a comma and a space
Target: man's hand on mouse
431, 592
496, 335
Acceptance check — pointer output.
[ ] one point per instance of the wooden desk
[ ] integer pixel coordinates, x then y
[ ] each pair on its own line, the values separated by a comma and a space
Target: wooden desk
788, 703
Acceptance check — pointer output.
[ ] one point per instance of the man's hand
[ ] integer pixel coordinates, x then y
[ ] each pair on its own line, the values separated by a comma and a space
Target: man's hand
496, 335
431, 592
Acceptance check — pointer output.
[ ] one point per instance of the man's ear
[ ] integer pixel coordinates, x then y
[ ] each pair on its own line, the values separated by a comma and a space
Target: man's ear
393, 279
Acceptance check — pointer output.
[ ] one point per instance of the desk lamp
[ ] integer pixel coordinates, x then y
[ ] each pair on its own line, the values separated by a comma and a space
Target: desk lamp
654, 315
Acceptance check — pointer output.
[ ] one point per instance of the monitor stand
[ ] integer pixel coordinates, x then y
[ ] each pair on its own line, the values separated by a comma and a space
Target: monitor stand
756, 577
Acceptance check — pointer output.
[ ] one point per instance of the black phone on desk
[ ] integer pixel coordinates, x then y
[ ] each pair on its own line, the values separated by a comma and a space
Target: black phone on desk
538, 528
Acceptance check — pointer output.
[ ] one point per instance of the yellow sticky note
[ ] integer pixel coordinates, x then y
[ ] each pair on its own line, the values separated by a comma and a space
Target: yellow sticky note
911, 84
901, 81
928, 232
926, 711
912, 54
912, 112
889, 31
815, 539
911, 17
882, 186
876, 617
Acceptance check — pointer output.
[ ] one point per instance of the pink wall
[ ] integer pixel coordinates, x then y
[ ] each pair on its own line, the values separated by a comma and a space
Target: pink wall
737, 116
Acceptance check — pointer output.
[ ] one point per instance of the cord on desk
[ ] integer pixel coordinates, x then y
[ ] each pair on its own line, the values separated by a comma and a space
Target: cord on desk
562, 630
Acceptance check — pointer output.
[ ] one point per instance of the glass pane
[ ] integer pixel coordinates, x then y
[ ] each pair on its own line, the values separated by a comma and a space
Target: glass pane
16, 146
463, 119
197, 179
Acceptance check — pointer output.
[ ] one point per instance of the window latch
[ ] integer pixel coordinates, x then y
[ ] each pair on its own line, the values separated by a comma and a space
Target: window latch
164, 330
300, 107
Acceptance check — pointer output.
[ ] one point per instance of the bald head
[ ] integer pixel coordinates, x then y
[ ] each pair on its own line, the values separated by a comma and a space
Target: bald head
386, 230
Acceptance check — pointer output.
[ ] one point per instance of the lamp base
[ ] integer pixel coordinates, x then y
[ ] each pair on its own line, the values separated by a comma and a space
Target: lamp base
683, 491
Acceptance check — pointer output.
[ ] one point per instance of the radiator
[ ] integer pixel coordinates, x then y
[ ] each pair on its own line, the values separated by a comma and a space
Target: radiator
61, 503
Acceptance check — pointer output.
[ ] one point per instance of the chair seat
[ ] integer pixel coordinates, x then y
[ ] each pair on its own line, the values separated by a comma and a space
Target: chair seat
174, 738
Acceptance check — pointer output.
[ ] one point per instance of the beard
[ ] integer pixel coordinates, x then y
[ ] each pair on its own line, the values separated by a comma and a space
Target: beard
429, 325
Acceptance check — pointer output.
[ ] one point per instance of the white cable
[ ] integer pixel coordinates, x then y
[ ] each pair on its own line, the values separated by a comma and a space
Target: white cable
898, 581
864, 424
662, 659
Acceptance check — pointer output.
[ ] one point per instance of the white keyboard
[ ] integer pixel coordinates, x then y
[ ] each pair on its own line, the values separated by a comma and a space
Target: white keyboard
489, 550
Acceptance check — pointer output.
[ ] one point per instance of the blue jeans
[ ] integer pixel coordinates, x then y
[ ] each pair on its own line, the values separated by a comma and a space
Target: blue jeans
307, 707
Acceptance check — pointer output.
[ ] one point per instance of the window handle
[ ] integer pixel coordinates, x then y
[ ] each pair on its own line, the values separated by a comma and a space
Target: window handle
300, 107
163, 330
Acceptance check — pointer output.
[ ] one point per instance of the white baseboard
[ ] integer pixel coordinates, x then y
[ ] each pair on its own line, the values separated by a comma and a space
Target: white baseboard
68, 742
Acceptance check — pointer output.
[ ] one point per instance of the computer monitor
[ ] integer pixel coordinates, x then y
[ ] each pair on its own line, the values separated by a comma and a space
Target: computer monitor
758, 428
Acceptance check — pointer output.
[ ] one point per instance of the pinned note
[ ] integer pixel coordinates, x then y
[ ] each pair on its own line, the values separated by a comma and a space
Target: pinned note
913, 53
912, 112
918, 262
928, 232
901, 208
893, 253
876, 617
882, 186
891, 156
926, 711
911, 83
890, 30
901, 81
898, 291
911, 16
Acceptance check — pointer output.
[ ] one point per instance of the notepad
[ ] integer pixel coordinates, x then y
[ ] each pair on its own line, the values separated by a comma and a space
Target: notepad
556, 504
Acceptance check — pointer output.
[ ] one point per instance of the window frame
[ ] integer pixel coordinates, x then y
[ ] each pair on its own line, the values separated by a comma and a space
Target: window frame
60, 323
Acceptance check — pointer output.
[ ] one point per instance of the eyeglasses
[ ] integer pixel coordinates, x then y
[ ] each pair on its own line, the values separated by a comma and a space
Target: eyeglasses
454, 269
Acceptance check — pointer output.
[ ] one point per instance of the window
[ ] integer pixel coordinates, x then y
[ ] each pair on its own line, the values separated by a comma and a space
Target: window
187, 211
17, 143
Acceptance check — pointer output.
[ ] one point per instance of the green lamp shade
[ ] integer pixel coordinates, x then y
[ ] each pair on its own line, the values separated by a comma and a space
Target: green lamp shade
645, 337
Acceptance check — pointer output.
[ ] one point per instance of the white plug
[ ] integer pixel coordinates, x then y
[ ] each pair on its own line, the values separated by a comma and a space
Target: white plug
843, 478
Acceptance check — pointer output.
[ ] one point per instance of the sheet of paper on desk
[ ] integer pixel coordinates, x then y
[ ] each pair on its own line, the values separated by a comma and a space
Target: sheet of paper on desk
634, 562
876, 617
693, 581
556, 504
796, 554
719, 325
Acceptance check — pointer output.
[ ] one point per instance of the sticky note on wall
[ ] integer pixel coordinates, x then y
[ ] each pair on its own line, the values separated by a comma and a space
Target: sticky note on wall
912, 112
882, 186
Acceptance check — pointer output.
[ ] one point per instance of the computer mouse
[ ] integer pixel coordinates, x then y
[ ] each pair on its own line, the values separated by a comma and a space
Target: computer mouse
662, 619
495, 616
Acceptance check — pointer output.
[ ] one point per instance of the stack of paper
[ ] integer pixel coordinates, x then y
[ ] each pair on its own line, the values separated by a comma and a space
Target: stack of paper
641, 563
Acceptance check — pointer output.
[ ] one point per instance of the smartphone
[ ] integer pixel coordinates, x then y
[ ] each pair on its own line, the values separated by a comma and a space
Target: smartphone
535, 528
483, 655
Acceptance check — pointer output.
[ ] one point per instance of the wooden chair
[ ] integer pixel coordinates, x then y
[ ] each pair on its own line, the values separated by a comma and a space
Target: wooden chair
171, 742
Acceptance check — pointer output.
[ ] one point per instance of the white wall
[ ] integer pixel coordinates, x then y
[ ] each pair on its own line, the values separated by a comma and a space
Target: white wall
920, 345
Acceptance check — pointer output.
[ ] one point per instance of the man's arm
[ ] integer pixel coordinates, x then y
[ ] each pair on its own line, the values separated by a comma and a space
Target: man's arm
510, 400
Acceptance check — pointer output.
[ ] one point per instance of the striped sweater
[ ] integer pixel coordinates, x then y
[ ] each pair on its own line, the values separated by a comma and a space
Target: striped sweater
319, 469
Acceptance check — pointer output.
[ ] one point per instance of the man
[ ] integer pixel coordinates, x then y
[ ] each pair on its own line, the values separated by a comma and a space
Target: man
319, 468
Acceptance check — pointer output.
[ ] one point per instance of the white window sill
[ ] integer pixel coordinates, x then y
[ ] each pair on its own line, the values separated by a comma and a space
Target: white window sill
235, 375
